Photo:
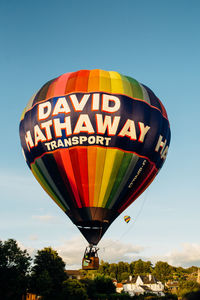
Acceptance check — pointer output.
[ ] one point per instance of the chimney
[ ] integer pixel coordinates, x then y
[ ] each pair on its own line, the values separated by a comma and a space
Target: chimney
150, 277
198, 276
130, 277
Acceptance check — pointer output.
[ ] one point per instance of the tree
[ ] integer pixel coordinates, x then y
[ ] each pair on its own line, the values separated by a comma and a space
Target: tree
73, 289
113, 269
14, 268
122, 267
104, 268
139, 267
124, 276
89, 286
132, 267
48, 274
147, 265
104, 284
162, 271
188, 286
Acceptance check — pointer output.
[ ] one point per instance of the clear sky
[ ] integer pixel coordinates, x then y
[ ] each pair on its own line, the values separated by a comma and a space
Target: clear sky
156, 42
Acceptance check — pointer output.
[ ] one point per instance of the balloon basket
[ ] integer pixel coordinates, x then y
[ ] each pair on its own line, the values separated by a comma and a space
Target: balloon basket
90, 259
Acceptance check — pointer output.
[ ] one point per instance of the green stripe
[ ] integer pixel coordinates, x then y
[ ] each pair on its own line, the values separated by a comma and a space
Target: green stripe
122, 170
137, 91
115, 170
130, 162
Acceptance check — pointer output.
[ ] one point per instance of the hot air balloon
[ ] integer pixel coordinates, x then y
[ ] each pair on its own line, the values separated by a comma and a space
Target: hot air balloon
127, 219
94, 140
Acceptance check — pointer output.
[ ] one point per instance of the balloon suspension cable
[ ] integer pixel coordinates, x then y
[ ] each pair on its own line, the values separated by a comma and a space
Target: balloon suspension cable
131, 226
92, 248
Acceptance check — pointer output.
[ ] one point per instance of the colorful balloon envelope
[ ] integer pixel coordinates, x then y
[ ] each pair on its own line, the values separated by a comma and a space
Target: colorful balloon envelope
94, 140
127, 219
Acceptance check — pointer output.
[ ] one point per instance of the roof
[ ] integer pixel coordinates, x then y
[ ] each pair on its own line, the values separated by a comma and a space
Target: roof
146, 288
73, 272
172, 284
119, 285
145, 279
148, 280
133, 280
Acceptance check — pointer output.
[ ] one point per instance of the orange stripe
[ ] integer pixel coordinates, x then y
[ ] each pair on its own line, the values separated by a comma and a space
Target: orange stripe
71, 82
82, 81
93, 82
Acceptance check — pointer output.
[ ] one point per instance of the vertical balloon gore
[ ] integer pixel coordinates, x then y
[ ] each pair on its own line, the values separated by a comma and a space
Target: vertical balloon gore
94, 140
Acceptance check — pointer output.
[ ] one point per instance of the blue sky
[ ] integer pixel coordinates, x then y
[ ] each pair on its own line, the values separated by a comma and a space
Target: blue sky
157, 42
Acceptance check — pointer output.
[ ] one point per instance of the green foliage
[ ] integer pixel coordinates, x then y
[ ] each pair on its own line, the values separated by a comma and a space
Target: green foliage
188, 287
162, 271
104, 283
14, 267
104, 268
112, 297
98, 287
139, 267
124, 276
48, 277
73, 289
113, 269
48, 274
89, 286
191, 270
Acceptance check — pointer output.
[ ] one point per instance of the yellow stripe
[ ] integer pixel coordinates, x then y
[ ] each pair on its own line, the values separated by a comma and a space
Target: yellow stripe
116, 83
101, 154
111, 167
104, 84
118, 157
22, 115
127, 86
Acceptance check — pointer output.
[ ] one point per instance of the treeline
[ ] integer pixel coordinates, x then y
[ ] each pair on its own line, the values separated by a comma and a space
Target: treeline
161, 270
45, 275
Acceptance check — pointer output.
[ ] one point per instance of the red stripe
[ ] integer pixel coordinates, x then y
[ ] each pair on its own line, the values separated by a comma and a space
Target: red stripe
60, 85
83, 163
65, 166
140, 189
164, 113
79, 162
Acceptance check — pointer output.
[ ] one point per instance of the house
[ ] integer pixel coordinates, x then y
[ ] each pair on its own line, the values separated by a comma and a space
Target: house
172, 286
74, 274
143, 284
30, 296
119, 287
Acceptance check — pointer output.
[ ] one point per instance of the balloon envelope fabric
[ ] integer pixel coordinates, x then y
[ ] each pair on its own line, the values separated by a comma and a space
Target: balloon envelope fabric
94, 140
127, 219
